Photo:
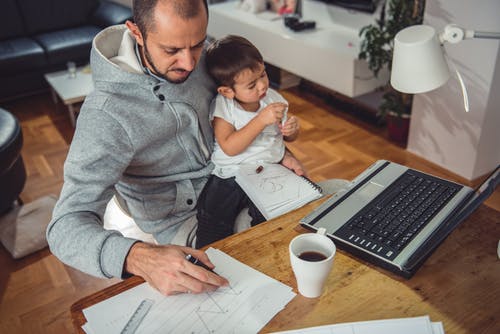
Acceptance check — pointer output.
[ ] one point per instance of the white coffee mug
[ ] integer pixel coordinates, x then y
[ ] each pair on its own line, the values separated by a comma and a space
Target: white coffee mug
311, 256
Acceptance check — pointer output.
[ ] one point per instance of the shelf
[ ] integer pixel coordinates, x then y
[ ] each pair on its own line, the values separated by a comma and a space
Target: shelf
327, 55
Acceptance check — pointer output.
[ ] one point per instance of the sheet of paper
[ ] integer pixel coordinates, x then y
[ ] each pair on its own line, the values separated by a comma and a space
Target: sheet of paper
86, 328
245, 306
275, 189
417, 325
437, 328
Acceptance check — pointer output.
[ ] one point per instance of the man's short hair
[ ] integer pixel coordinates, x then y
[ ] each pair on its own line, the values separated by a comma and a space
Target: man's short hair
143, 11
228, 56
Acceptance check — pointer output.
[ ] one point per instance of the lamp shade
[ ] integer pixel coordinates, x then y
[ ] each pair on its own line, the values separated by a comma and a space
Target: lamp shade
418, 63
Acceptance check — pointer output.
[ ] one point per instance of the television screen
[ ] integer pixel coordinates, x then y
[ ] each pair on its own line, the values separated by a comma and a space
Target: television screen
362, 5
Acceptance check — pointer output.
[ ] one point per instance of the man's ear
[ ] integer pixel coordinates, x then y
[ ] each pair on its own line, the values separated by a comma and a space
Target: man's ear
134, 29
226, 91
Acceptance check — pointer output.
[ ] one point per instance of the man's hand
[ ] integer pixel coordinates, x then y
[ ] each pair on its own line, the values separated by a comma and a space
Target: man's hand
290, 162
166, 269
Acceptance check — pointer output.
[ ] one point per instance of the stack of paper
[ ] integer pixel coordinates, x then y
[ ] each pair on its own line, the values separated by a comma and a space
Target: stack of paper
245, 306
418, 325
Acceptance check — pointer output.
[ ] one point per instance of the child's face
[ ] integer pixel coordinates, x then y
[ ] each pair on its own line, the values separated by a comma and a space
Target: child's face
251, 86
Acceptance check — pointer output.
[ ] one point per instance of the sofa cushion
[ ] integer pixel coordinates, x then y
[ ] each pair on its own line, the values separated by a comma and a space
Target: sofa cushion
24, 83
12, 22
49, 15
70, 44
19, 55
109, 13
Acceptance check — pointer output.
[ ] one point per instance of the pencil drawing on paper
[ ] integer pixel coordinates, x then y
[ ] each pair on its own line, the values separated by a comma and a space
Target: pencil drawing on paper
271, 184
244, 306
275, 189
205, 310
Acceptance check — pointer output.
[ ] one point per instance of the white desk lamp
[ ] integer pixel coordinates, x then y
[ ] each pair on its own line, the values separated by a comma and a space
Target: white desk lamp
418, 62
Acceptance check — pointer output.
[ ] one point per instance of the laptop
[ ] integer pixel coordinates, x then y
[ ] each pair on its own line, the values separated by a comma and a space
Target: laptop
394, 216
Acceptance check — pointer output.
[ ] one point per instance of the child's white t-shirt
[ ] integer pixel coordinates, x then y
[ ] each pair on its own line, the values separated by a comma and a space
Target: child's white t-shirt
268, 146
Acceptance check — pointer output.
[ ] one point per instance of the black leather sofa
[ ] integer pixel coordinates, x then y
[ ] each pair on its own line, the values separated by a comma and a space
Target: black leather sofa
41, 36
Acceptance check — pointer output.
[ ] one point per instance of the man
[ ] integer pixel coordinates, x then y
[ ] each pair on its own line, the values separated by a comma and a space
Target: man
143, 136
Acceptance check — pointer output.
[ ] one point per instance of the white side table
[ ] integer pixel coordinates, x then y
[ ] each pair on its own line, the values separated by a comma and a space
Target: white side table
70, 90
326, 55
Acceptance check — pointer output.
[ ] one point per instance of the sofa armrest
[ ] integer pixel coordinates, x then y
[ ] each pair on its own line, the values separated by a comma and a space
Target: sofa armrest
110, 13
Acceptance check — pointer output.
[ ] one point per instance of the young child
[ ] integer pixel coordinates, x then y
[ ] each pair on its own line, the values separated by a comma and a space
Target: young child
250, 123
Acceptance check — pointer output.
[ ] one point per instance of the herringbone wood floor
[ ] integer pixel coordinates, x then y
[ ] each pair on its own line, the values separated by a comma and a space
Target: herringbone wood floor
36, 292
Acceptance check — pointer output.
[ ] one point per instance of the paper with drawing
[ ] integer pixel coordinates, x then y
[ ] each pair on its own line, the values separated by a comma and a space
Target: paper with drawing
245, 306
275, 189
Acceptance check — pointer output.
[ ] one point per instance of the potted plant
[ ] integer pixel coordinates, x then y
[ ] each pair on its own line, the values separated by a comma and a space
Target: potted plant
377, 44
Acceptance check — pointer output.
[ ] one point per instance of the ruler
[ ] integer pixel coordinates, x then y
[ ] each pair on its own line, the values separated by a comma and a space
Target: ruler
136, 318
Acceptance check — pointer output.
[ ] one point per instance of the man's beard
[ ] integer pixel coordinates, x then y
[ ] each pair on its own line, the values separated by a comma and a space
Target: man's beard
156, 72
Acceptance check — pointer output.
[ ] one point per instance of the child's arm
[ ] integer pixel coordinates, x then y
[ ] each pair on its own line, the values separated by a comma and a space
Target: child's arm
290, 130
234, 141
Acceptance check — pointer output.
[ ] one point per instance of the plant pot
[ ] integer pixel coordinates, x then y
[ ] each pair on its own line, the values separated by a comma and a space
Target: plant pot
398, 127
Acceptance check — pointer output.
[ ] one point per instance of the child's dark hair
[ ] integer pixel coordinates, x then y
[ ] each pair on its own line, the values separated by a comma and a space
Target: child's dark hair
228, 56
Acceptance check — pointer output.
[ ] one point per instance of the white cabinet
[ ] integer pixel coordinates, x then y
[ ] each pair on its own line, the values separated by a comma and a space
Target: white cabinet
327, 55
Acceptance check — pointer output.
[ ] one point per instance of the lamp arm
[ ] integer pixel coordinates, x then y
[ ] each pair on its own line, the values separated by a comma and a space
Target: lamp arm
487, 34
455, 34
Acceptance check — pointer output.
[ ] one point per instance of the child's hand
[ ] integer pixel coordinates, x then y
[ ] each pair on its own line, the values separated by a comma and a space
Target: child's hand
291, 127
272, 113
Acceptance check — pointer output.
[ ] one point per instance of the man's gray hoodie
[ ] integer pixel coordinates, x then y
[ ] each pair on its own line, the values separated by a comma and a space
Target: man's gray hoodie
145, 140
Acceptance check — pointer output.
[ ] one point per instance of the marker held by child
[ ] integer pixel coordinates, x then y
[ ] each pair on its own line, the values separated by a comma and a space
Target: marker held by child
283, 119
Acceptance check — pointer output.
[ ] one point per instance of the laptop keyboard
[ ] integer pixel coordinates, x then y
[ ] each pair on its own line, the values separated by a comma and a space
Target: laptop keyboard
389, 222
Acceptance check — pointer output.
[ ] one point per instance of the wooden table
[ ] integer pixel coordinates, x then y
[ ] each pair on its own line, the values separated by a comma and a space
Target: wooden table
458, 285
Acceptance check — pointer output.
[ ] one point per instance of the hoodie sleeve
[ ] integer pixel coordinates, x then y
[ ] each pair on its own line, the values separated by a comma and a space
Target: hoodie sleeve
99, 153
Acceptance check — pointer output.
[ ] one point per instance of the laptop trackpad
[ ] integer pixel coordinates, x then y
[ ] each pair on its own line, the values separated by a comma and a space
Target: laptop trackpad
369, 191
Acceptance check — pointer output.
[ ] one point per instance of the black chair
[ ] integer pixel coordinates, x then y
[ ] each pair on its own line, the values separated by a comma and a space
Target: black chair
12, 171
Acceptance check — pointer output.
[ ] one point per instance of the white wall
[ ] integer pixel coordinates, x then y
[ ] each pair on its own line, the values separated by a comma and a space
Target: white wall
467, 144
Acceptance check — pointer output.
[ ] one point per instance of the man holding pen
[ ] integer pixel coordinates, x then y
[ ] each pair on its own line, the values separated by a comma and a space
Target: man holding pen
143, 136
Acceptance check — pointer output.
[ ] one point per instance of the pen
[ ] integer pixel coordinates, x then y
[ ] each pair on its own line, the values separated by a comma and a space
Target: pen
197, 262
283, 119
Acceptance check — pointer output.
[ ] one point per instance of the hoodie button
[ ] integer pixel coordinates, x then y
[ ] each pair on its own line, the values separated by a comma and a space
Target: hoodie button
189, 201
155, 88
161, 97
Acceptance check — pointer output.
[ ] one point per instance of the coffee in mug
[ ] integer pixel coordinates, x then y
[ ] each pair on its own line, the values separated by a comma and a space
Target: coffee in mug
311, 256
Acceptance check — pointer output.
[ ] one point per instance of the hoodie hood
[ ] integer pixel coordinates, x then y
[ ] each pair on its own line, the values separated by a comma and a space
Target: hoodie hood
115, 67
113, 58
